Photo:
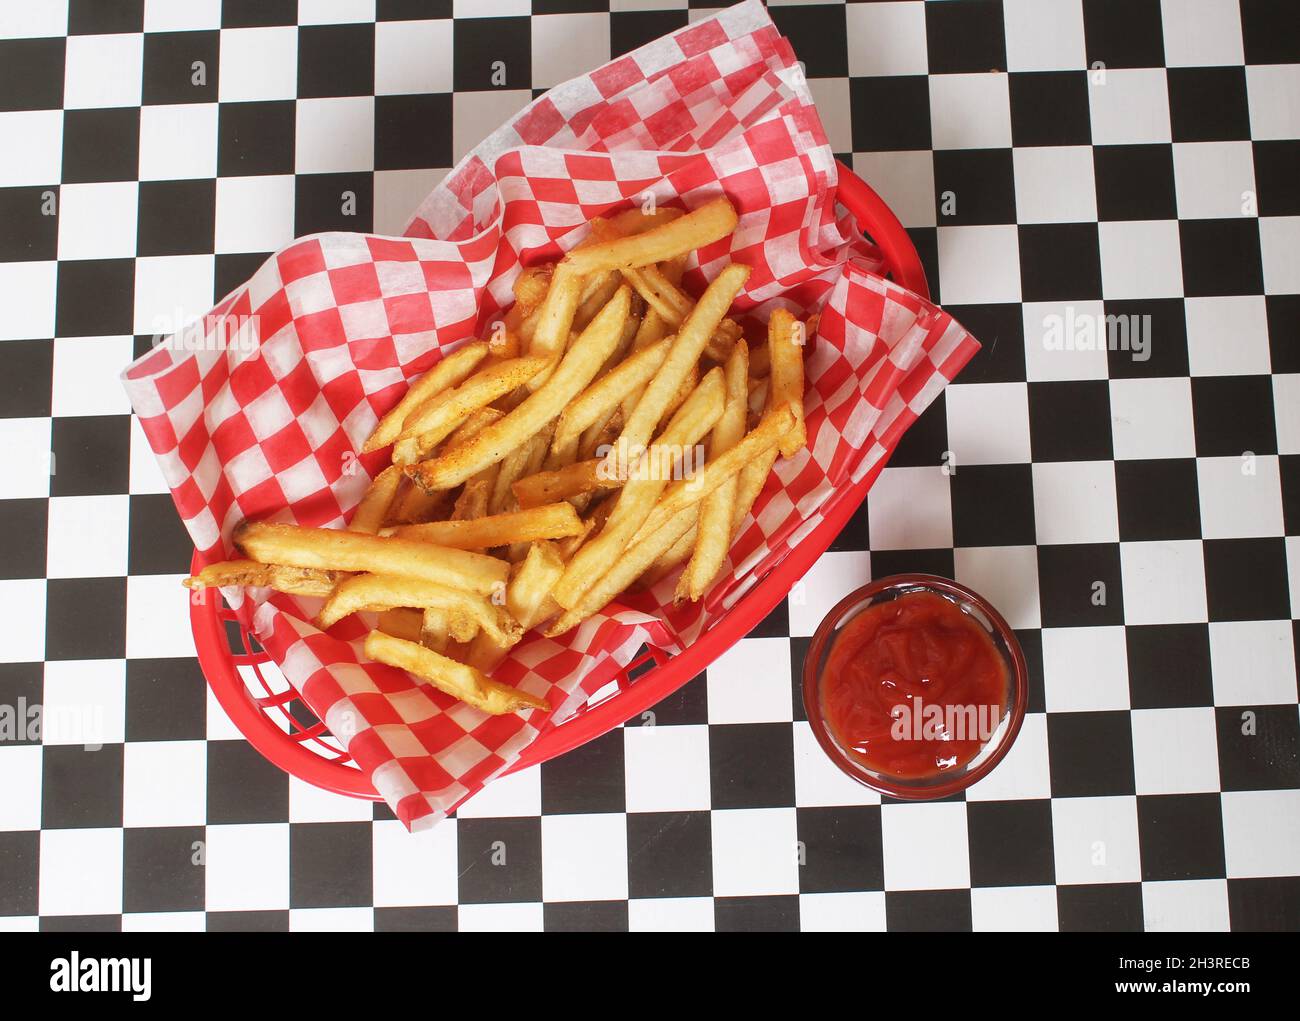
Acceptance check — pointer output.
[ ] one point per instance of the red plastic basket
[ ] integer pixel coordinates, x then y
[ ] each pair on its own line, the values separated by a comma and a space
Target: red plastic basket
277, 723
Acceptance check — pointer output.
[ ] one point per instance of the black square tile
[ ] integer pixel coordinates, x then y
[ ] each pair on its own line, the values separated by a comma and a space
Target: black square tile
330, 865
101, 145
907, 98
1181, 837
756, 914
21, 852
588, 779
1206, 271
181, 67
81, 787
81, 923
1246, 579
992, 505
1080, 586
248, 921
841, 849
965, 36
629, 30
433, 919
336, 60
1000, 329
1289, 469
491, 53
96, 298
1277, 177
926, 242
925, 561
22, 688
1050, 108
1124, 33
1169, 666
1070, 420
1059, 261
91, 455
798, 653
585, 916
1264, 905
244, 786
1031, 644
1268, 30
159, 872
255, 138
233, 271
689, 704
1105, 907
1158, 499
974, 186
1092, 754
669, 854
1232, 415
928, 911
1135, 182
94, 17
166, 700
1259, 747
413, 10
499, 860
258, 13
26, 378
176, 218
413, 132
993, 826
856, 533
752, 765
775, 625
324, 202
31, 231
1208, 104
159, 543
23, 531
31, 74
85, 618
1166, 353
818, 34
926, 440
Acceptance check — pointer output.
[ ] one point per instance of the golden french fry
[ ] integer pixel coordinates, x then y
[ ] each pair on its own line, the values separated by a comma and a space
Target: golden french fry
555, 316
749, 483
456, 679
296, 581
435, 629
401, 622
523, 461
760, 362
605, 394
531, 286
486, 651
529, 592
563, 483
785, 347
414, 504
549, 521
372, 511
710, 222
600, 290
328, 549
466, 611
473, 500
672, 558
447, 373
474, 425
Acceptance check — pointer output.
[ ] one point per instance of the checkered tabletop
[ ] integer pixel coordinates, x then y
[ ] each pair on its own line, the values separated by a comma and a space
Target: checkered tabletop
1065, 167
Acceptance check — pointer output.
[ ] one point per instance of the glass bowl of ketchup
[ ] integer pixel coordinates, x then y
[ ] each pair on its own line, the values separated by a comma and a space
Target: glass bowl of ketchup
915, 686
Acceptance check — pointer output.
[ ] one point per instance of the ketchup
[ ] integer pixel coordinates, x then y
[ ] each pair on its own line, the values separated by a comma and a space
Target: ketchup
913, 687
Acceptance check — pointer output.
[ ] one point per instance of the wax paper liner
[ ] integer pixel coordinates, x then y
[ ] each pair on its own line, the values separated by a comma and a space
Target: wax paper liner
256, 411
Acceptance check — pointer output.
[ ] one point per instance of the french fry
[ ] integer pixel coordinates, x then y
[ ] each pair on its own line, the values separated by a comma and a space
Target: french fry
414, 504
672, 558
564, 483
524, 460
473, 500
785, 347
702, 226
447, 373
749, 483
455, 679
474, 425
328, 549
372, 511
592, 524
297, 581
466, 611
549, 521
531, 286
555, 316
435, 629
486, 651
401, 622
528, 596
605, 394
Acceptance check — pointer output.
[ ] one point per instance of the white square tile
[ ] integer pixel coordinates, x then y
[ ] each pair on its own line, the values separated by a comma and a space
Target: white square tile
667, 768
20, 923
157, 618
335, 12
1129, 106
1013, 909
20, 794
1240, 497
166, 783
584, 857
1065, 341
39, 160
31, 21
818, 782
1175, 751
1293, 572
1140, 259
1044, 35
1201, 33
260, 64
750, 683
970, 111
474, 115
670, 914
247, 867
831, 95
1227, 335
1007, 576
500, 917
414, 868
29, 290
219, 726
1279, 248
81, 872
909, 508
886, 39
86, 376
1096, 840
1286, 412
842, 912
412, 57
832, 576
755, 852
175, 287
905, 180
398, 193
1151, 418
1085, 669
164, 921
515, 794
566, 46
1252, 662
85, 703
1074, 502
178, 142
87, 537
309, 803
1054, 184
1024, 773
146, 474
22, 605
979, 265
26, 458
181, 15
1214, 179
1261, 833
494, 9
925, 846
335, 136
988, 423
97, 221
1271, 90
1195, 905
332, 920
254, 214
103, 70
1164, 582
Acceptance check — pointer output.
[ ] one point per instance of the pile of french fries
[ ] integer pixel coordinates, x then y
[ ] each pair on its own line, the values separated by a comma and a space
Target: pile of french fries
538, 474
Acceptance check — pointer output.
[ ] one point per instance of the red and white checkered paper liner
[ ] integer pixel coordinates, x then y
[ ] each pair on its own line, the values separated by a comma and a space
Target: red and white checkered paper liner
346, 321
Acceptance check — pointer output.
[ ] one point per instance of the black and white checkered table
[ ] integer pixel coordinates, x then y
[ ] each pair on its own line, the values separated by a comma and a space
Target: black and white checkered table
1136, 518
